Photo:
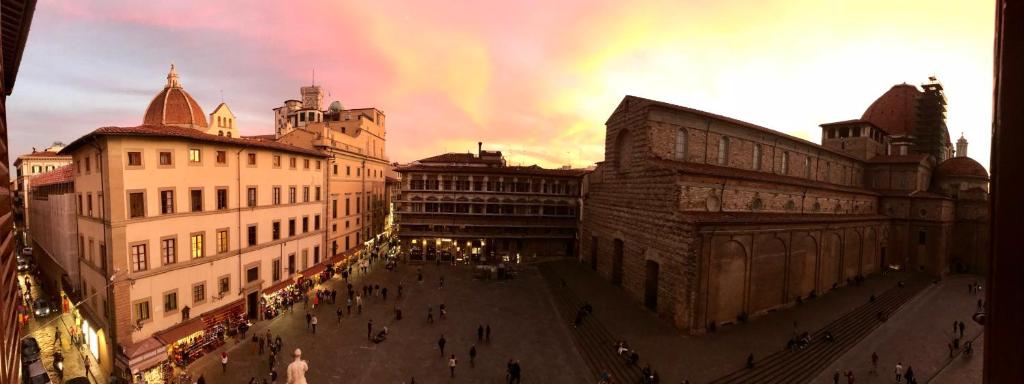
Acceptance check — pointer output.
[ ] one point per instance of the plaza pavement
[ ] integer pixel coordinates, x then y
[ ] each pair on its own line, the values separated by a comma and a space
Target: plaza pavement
524, 326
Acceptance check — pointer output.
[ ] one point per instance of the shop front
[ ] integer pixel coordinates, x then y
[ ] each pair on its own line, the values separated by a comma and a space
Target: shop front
147, 361
193, 338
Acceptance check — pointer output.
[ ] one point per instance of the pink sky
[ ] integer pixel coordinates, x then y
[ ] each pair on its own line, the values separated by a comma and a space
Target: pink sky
536, 79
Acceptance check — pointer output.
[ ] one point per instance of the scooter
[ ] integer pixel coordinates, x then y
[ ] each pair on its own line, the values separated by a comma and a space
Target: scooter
58, 364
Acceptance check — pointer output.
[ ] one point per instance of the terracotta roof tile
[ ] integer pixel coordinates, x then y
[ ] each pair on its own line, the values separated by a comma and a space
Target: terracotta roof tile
912, 158
186, 133
60, 175
531, 170
459, 158
961, 167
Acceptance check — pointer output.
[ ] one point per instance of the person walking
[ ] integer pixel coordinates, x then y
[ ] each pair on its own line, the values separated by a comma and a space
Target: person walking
260, 341
440, 344
451, 364
369, 329
442, 282
480, 333
849, 377
224, 361
272, 359
297, 369
340, 313
487, 333
899, 372
88, 365
399, 290
309, 318
359, 304
384, 293
314, 324
472, 356
874, 363
430, 314
835, 377
517, 373
349, 303
273, 376
962, 328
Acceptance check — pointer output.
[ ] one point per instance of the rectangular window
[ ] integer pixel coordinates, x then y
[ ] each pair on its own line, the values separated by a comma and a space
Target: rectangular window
348, 170
316, 254
222, 241
136, 204
250, 196
88, 203
194, 155
318, 193
334, 209
198, 293
305, 163
276, 196
88, 166
275, 270
135, 159
198, 250
223, 285
142, 311
166, 202
222, 198
305, 194
358, 205
251, 235
291, 162
785, 163
81, 207
335, 169
305, 224
757, 157
252, 274
275, 230
348, 207
165, 158
277, 161
316, 222
169, 251
291, 264
318, 165
291, 227
170, 301
222, 157
252, 159
196, 196
922, 237
291, 195
140, 261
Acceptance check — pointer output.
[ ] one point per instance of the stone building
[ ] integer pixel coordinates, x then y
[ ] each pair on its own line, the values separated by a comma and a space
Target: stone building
28, 166
475, 207
14, 27
55, 242
353, 141
181, 228
707, 220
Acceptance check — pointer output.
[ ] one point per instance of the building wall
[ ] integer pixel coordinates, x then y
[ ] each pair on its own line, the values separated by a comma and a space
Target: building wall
55, 217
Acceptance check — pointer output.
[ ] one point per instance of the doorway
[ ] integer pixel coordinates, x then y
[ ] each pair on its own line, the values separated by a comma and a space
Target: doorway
881, 260
617, 263
252, 301
651, 286
593, 253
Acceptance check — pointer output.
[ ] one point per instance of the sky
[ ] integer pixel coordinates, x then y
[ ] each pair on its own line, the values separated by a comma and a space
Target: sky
535, 79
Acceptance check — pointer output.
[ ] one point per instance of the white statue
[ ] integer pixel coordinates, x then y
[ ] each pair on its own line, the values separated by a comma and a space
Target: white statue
297, 369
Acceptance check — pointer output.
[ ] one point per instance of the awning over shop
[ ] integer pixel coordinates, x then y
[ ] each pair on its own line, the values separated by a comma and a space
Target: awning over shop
145, 354
345, 255
181, 330
277, 287
220, 314
316, 269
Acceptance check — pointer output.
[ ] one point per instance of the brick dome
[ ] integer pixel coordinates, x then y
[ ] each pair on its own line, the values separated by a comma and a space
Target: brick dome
895, 111
961, 167
173, 106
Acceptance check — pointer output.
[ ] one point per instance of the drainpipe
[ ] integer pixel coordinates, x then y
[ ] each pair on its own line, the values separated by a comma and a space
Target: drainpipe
238, 181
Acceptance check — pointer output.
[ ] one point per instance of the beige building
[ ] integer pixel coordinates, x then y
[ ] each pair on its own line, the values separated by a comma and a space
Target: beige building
53, 210
353, 139
182, 225
29, 165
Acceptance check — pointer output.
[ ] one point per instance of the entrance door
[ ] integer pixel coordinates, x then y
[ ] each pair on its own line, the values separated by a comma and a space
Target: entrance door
252, 305
617, 263
651, 286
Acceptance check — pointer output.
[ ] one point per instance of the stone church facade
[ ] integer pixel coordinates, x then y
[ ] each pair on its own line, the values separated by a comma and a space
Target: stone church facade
708, 220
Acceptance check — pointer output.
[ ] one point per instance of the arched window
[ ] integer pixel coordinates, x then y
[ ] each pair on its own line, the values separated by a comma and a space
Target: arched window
723, 151
229, 134
220, 133
785, 163
681, 144
807, 167
757, 157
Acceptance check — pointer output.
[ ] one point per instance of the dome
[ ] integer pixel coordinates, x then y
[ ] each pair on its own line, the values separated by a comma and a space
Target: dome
895, 111
961, 167
335, 106
173, 106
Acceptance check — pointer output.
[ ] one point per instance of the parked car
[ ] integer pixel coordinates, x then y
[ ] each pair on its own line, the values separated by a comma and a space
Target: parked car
24, 265
29, 350
42, 307
27, 251
34, 373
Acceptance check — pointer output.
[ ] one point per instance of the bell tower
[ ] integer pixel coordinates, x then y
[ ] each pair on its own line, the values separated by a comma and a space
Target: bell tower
961, 146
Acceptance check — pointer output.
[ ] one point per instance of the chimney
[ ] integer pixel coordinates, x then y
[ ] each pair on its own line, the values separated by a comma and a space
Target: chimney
479, 148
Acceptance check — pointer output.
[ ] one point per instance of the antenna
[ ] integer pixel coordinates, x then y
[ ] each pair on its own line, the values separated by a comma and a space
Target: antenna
314, 76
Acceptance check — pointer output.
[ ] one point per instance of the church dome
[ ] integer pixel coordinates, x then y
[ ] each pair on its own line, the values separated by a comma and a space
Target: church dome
173, 106
961, 167
895, 111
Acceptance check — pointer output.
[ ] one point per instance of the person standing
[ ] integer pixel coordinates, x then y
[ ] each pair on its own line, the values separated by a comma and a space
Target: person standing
88, 365
874, 363
440, 344
399, 290
340, 313
224, 361
297, 369
369, 329
835, 377
260, 341
359, 304
384, 293
899, 372
314, 324
472, 356
451, 364
442, 282
273, 376
349, 303
962, 328
480, 333
517, 372
309, 318
487, 333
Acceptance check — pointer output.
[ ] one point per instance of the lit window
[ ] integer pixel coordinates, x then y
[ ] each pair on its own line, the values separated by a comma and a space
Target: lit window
165, 158
197, 246
194, 156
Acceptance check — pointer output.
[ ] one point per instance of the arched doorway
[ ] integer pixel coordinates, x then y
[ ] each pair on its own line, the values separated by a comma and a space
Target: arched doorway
728, 274
651, 285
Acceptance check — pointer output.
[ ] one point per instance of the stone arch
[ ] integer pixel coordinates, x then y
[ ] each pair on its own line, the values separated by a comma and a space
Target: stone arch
870, 263
802, 265
831, 253
767, 273
852, 254
727, 278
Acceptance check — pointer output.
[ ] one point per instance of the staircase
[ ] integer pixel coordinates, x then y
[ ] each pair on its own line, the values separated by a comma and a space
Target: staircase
800, 366
595, 343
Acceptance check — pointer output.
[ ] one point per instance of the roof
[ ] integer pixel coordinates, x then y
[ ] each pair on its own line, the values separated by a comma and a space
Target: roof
848, 122
769, 217
515, 170
174, 106
911, 158
895, 112
38, 155
17, 18
57, 176
261, 137
743, 124
961, 167
188, 134
220, 106
462, 158
720, 171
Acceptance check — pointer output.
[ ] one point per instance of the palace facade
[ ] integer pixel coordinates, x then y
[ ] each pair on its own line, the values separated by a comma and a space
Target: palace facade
707, 220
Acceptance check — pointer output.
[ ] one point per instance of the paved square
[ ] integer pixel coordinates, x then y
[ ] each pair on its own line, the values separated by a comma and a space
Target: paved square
523, 320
